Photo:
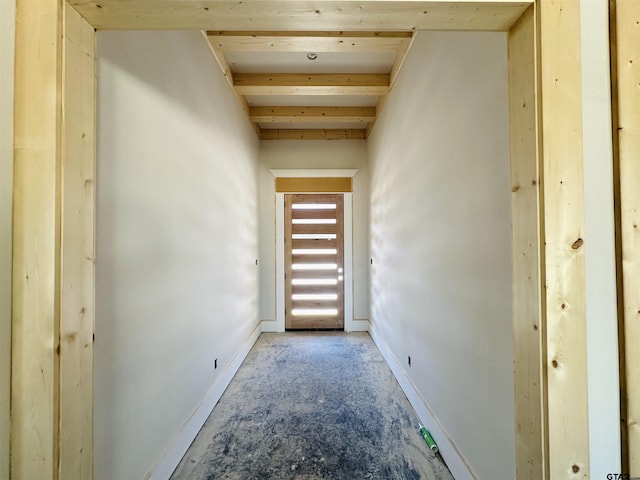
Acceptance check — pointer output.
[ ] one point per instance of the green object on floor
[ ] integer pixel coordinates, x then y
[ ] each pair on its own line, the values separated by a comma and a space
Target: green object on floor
431, 443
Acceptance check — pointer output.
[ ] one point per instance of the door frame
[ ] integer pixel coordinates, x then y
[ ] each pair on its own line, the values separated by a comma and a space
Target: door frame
350, 325
52, 292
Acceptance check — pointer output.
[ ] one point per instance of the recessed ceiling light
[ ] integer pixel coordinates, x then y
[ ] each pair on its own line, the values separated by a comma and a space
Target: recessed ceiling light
312, 55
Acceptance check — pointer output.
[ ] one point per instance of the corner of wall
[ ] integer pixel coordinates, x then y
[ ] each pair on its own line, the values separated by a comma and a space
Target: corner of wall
440, 240
451, 454
179, 446
176, 244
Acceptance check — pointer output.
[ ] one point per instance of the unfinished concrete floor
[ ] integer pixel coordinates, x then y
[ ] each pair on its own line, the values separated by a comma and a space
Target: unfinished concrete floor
312, 406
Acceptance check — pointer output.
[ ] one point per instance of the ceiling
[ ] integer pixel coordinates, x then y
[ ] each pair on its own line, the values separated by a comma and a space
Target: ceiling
262, 46
311, 85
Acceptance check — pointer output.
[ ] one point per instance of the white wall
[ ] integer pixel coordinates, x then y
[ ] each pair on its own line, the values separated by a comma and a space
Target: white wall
7, 41
441, 239
602, 321
294, 154
177, 240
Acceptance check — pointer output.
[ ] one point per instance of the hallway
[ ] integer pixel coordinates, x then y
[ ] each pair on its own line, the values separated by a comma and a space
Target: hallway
312, 406
188, 246
489, 174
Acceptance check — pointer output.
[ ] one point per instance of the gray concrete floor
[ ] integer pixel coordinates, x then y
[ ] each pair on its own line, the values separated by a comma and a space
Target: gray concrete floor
312, 406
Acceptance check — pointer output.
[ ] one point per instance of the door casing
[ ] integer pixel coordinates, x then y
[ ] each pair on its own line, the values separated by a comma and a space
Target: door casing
349, 324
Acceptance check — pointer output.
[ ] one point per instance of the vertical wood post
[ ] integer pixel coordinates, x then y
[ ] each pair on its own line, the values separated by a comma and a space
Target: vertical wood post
54, 145
77, 244
626, 53
36, 239
528, 254
563, 186
552, 437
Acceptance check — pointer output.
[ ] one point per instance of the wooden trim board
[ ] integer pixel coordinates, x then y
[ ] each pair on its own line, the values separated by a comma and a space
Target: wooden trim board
552, 437
528, 308
53, 269
305, 15
627, 119
357, 115
558, 30
77, 277
313, 185
36, 240
313, 173
310, 84
320, 42
312, 134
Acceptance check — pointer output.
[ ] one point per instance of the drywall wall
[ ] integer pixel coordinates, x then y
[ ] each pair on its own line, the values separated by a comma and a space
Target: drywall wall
321, 154
177, 241
602, 321
7, 42
441, 239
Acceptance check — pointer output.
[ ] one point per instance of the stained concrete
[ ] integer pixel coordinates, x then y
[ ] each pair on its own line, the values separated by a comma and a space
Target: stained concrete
312, 406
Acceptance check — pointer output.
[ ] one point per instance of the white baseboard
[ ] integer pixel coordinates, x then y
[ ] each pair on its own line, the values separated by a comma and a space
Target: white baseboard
269, 326
458, 465
175, 452
359, 326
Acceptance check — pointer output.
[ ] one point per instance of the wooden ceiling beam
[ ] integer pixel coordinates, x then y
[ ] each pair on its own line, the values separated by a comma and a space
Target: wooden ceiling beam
312, 134
321, 15
311, 84
312, 33
320, 42
221, 60
361, 115
395, 70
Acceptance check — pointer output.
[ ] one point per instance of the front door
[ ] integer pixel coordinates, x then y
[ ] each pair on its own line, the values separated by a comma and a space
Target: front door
314, 261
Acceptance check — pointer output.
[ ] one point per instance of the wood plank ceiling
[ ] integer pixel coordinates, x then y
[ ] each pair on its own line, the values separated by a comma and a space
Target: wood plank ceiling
311, 85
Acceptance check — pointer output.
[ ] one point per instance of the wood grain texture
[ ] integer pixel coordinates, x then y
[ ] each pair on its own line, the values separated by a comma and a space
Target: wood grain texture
356, 115
307, 289
77, 245
326, 84
310, 84
345, 35
314, 243
563, 186
301, 321
311, 134
319, 15
622, 374
52, 389
307, 274
303, 228
288, 271
36, 242
318, 214
324, 258
320, 42
313, 184
528, 259
627, 51
311, 80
